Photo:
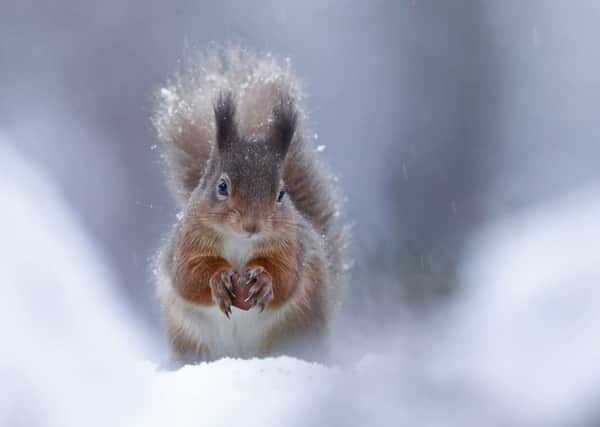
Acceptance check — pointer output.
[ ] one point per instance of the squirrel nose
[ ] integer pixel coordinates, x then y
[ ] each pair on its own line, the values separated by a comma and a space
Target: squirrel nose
251, 228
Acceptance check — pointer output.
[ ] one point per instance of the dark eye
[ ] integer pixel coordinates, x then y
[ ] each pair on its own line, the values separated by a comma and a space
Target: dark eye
281, 196
222, 188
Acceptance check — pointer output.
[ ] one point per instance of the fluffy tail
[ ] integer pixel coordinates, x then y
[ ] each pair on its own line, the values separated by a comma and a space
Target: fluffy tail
186, 125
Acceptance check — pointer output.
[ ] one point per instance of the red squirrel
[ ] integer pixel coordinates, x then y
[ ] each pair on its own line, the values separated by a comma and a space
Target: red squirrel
256, 260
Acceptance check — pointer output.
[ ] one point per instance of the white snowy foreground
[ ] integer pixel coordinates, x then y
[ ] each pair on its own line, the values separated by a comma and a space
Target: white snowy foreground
520, 348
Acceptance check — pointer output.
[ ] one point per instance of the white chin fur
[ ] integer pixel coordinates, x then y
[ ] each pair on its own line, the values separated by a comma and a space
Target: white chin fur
237, 250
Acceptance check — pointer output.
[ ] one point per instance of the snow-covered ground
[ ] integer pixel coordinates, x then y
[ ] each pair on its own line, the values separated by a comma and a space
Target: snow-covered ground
518, 348
528, 327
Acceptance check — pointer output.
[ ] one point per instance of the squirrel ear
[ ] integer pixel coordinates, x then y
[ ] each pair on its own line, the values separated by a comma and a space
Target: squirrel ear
227, 133
283, 126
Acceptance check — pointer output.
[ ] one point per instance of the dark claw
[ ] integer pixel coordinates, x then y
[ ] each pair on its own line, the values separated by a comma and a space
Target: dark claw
265, 298
251, 294
250, 279
226, 279
253, 274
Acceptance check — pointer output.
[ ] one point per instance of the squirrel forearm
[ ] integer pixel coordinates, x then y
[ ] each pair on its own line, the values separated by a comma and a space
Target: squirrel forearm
192, 276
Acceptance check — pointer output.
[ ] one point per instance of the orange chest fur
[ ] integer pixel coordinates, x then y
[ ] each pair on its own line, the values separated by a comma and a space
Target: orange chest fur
197, 260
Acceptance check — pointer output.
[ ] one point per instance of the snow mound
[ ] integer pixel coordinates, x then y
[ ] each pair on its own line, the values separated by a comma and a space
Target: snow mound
527, 328
66, 336
230, 392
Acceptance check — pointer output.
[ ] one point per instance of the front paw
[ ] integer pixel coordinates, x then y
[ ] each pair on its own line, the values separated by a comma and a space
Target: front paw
221, 288
260, 281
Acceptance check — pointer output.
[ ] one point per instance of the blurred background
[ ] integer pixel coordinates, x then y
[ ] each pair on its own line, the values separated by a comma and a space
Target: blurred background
441, 119
437, 116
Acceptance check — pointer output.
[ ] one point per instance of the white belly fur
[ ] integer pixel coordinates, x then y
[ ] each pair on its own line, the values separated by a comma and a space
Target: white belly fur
241, 335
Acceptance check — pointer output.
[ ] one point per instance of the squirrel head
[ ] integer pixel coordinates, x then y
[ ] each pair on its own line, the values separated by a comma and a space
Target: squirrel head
244, 192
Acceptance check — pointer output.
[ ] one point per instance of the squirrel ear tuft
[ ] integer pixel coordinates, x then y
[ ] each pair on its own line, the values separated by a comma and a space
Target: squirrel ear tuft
283, 126
227, 133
